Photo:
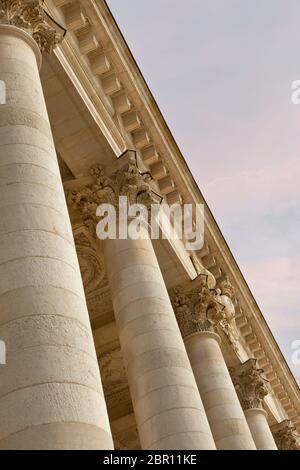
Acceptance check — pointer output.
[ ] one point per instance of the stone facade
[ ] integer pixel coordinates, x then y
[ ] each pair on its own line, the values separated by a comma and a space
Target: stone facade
126, 344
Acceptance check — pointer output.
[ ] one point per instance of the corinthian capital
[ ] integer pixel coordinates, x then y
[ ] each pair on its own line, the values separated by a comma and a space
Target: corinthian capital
126, 181
285, 435
29, 15
198, 309
250, 384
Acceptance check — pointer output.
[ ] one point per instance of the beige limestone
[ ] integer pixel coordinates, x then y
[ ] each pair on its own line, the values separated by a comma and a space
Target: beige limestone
89, 129
167, 404
50, 390
260, 430
252, 388
255, 338
225, 415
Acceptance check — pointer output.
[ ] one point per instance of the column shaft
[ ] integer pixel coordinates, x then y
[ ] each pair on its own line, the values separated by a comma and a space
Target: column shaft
50, 390
225, 415
166, 401
260, 430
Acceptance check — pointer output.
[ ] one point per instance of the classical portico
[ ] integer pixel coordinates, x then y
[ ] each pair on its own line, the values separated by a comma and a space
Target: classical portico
124, 344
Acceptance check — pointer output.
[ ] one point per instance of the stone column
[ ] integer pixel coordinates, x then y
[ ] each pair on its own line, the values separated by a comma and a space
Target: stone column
251, 388
199, 310
50, 389
166, 401
285, 435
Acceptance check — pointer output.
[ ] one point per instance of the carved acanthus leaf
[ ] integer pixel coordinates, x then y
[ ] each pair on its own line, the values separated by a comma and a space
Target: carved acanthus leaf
250, 384
127, 181
285, 435
197, 309
29, 15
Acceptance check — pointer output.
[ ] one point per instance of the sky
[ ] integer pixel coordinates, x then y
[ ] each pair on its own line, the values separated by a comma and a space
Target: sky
221, 72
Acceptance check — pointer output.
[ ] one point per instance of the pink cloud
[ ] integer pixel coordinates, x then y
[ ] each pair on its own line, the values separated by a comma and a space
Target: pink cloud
275, 284
257, 191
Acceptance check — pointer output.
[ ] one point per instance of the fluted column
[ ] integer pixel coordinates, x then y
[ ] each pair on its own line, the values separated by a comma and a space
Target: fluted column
286, 436
199, 310
50, 389
167, 405
251, 388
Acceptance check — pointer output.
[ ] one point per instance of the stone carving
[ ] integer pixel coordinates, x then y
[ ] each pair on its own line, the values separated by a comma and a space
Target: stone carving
113, 372
204, 309
30, 16
250, 384
81, 239
285, 435
228, 299
227, 288
126, 181
198, 309
91, 263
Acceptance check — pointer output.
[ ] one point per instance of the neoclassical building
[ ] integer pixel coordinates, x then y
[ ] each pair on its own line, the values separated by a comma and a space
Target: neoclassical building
125, 344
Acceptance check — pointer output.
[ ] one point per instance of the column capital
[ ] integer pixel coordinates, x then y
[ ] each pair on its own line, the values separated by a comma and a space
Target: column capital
250, 384
30, 16
285, 435
127, 180
200, 308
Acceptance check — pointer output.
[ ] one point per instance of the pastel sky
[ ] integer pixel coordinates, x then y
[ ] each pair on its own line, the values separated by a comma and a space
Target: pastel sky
221, 72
